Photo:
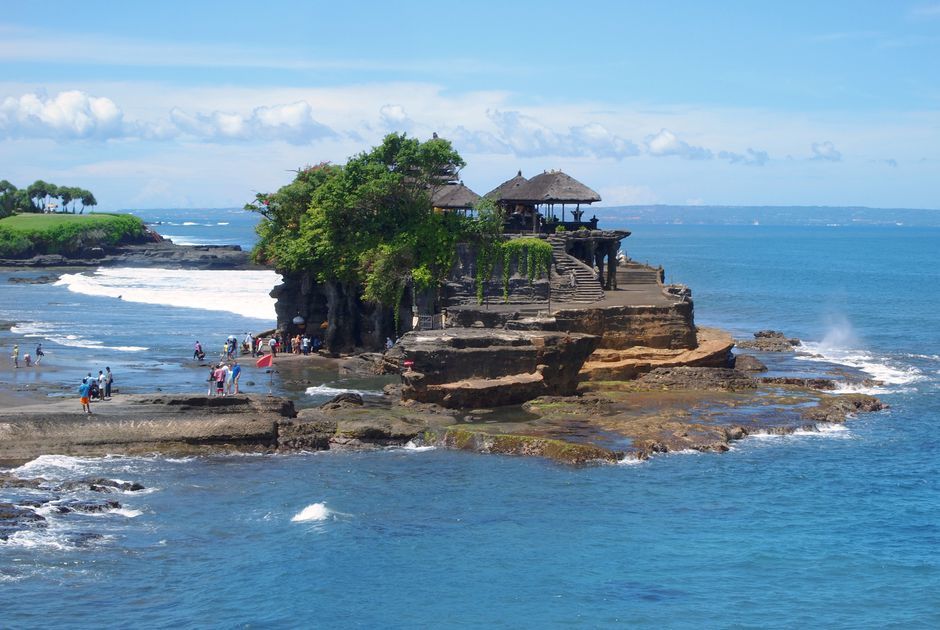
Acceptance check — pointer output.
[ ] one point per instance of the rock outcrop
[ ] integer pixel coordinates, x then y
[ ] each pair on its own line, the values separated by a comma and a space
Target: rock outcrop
770, 341
470, 367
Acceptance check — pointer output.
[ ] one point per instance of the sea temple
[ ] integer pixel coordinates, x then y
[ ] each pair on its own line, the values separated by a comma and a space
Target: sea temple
562, 303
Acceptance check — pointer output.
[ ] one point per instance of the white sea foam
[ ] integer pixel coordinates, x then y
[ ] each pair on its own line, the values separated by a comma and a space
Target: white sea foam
313, 512
55, 466
242, 292
36, 539
886, 370
128, 512
326, 390
53, 333
411, 446
630, 460
190, 223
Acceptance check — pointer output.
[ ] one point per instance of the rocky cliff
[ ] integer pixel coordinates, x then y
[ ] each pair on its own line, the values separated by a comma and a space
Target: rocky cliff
469, 368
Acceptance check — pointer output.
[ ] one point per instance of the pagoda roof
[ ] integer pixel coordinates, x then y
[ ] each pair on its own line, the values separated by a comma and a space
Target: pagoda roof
550, 187
454, 197
507, 188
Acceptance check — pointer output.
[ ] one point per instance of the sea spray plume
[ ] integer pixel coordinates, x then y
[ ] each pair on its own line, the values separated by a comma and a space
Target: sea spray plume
840, 335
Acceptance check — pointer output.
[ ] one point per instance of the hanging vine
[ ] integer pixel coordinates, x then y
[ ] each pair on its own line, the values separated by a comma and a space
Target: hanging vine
533, 257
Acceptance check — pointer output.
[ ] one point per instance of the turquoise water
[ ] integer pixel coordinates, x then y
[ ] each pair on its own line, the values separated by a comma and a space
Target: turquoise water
839, 528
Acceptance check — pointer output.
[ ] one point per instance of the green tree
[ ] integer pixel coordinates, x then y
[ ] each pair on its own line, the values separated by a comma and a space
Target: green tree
9, 195
87, 199
38, 191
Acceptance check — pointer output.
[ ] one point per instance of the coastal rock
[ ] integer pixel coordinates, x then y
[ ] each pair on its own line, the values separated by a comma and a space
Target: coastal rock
770, 341
476, 367
341, 400
712, 349
826, 384
748, 363
838, 408
14, 519
698, 378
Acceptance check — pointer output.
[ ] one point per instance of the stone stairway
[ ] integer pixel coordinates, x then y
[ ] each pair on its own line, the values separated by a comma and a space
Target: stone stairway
586, 289
637, 275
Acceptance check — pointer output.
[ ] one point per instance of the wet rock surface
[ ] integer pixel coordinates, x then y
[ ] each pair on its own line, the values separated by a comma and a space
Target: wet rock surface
769, 341
748, 363
698, 378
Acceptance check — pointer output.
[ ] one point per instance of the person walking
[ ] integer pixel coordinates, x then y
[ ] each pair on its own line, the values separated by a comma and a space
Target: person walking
198, 352
15, 357
272, 344
39, 354
108, 379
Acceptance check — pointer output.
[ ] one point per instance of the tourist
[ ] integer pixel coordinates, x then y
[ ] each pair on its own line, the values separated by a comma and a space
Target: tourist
389, 343
93, 392
198, 353
305, 345
108, 380
272, 344
211, 380
102, 380
15, 357
39, 353
84, 392
27, 360
316, 344
259, 347
236, 372
219, 376
227, 372
296, 344
248, 345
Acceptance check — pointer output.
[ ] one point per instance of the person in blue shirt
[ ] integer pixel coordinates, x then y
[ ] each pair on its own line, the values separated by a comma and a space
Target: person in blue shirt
236, 372
84, 391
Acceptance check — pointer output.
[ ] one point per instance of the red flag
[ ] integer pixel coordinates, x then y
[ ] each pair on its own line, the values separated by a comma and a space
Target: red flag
265, 361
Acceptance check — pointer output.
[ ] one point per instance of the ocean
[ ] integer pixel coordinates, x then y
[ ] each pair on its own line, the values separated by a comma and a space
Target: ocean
838, 528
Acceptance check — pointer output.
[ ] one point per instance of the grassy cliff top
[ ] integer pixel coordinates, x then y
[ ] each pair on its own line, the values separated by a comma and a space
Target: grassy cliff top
25, 235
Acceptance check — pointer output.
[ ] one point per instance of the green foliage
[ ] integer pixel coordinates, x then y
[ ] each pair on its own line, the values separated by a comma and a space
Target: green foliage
370, 222
532, 256
24, 235
9, 196
560, 228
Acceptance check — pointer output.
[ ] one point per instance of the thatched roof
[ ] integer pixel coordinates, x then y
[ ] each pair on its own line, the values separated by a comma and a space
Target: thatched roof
553, 187
508, 187
454, 197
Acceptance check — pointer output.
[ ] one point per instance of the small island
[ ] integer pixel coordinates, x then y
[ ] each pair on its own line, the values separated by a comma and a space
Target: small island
507, 323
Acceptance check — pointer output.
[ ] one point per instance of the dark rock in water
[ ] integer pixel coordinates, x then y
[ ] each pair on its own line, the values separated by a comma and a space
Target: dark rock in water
83, 539
100, 484
44, 279
340, 400
770, 341
90, 507
748, 363
837, 408
365, 364
14, 519
698, 378
393, 390
9, 481
826, 384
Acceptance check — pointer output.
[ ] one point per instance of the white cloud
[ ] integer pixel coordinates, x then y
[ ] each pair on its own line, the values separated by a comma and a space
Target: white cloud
749, 158
293, 123
528, 137
665, 143
394, 118
826, 151
68, 115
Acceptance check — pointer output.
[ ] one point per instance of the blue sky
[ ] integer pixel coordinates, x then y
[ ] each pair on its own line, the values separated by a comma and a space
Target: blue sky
741, 103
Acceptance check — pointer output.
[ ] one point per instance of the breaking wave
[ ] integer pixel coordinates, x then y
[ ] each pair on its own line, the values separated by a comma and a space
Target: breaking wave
50, 332
243, 292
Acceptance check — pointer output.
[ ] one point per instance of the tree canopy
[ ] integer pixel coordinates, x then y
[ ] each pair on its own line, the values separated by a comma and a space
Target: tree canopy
370, 222
36, 197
